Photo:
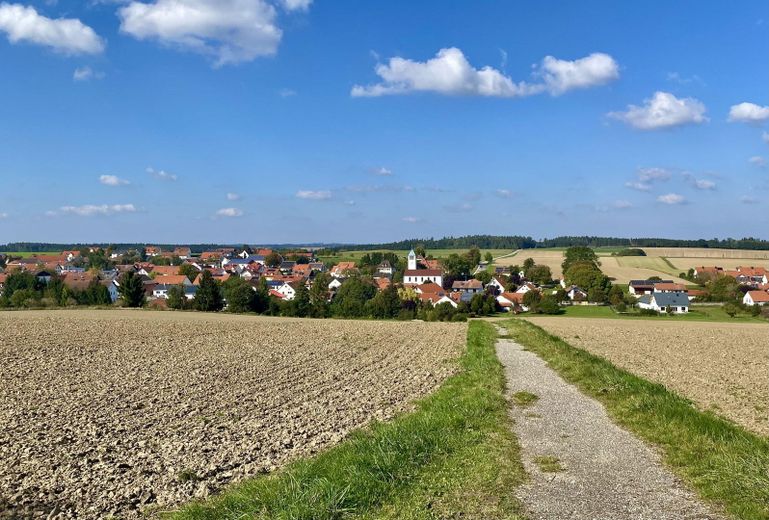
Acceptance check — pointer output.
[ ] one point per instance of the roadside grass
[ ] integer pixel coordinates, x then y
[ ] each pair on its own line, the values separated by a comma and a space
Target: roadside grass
455, 456
524, 398
548, 464
696, 313
721, 461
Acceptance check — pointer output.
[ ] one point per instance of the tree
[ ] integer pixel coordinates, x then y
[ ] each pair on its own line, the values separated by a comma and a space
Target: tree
176, 298
209, 296
596, 294
385, 304
239, 294
474, 256
539, 274
420, 251
548, 305
528, 264
189, 270
273, 259
531, 300
587, 276
131, 289
299, 306
616, 295
483, 276
457, 266
488, 257
319, 295
579, 254
731, 309
351, 297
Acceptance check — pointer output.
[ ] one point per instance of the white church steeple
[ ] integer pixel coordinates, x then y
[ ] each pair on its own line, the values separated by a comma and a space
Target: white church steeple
412, 264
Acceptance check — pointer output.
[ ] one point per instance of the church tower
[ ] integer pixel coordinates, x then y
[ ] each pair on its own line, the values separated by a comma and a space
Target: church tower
412, 260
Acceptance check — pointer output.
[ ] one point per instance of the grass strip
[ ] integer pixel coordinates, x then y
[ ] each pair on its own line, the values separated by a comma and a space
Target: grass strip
723, 462
454, 456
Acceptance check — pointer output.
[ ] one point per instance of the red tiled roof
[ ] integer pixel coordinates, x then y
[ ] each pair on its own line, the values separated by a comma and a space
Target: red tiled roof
759, 296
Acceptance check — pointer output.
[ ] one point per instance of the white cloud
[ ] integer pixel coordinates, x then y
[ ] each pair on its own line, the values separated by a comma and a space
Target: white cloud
638, 186
112, 180
162, 174
382, 171
86, 73
653, 174
296, 5
681, 80
450, 73
91, 210
65, 35
286, 92
757, 160
313, 195
503, 193
229, 31
411, 220
703, 184
233, 196
671, 198
229, 212
748, 113
663, 110
562, 75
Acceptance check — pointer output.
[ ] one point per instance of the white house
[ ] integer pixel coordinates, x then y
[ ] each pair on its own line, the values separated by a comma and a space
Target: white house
335, 284
287, 290
677, 302
526, 287
756, 298
499, 286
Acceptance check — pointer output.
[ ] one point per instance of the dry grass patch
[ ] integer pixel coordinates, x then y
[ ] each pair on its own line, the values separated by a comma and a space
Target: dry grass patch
722, 367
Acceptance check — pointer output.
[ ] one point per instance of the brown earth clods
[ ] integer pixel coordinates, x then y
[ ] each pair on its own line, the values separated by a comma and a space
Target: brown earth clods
124, 412
722, 367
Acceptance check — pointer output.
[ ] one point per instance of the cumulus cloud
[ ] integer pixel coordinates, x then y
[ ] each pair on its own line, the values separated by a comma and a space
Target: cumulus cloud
748, 113
64, 35
758, 161
229, 212
671, 198
382, 171
228, 31
703, 184
112, 180
653, 174
450, 73
503, 193
162, 174
562, 75
86, 74
296, 5
638, 186
313, 195
662, 110
92, 210
233, 196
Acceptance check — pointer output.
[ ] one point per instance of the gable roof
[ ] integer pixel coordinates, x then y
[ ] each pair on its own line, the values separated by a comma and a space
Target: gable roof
668, 299
759, 296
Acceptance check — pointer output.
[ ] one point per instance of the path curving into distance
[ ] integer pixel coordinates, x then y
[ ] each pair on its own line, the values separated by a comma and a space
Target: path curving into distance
607, 473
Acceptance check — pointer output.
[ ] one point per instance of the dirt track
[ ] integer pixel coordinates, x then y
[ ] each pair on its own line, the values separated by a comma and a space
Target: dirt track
722, 367
118, 412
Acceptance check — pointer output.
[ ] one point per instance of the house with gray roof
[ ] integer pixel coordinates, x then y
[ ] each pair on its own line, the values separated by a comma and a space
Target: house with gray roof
678, 303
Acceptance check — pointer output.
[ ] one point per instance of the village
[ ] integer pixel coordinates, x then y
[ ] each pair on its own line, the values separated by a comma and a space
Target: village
380, 284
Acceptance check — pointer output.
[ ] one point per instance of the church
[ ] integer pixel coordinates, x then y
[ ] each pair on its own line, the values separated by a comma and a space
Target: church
414, 275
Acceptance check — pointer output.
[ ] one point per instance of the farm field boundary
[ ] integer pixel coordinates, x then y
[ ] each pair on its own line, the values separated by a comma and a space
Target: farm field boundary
454, 456
721, 461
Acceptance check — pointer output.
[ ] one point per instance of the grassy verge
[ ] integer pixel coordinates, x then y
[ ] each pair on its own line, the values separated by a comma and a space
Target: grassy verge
721, 461
455, 456
696, 313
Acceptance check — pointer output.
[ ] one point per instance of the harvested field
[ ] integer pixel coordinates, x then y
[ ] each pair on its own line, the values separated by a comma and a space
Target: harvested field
719, 366
128, 412
625, 268
552, 259
706, 253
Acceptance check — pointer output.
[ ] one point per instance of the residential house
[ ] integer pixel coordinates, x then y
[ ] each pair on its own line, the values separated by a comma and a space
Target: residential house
576, 294
385, 268
755, 298
639, 287
343, 269
670, 287
497, 285
675, 302
512, 301
471, 286
526, 287
182, 252
152, 250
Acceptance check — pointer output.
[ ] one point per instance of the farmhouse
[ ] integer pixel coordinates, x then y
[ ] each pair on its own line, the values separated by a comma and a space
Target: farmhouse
675, 302
669, 287
644, 286
510, 301
471, 286
756, 298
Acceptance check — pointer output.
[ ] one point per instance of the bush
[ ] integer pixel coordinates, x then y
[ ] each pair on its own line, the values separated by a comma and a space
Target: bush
648, 312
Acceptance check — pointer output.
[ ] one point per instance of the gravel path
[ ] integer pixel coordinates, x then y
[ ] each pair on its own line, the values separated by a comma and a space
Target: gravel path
607, 473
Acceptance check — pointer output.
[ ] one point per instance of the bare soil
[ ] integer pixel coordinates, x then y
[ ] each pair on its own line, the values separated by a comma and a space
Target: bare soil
721, 367
128, 412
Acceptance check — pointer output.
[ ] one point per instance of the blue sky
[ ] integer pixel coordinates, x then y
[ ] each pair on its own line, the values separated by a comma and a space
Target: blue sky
267, 121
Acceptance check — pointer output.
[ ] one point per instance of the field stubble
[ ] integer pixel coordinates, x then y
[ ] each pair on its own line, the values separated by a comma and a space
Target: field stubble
119, 412
721, 367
